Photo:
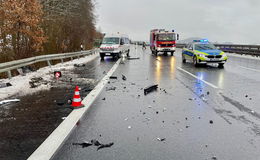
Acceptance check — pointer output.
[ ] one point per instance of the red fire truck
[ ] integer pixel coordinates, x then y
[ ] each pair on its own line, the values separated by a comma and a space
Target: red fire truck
163, 41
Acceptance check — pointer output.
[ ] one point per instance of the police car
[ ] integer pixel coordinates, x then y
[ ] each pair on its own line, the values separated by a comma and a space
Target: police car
203, 52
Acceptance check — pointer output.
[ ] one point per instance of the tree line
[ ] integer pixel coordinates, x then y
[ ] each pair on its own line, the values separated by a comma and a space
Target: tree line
35, 27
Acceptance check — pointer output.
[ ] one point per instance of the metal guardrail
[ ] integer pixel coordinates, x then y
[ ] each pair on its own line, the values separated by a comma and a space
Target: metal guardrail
235, 48
8, 66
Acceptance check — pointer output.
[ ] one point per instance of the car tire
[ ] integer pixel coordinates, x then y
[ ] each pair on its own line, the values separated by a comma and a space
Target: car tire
156, 53
102, 56
183, 59
127, 54
172, 53
195, 62
221, 65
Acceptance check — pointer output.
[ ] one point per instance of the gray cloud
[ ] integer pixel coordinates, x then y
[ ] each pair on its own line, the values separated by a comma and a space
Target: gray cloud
219, 20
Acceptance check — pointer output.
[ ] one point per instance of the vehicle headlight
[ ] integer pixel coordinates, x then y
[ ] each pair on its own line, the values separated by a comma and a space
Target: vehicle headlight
201, 55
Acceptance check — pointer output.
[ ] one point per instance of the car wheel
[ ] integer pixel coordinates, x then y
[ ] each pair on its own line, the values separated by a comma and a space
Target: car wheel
128, 53
156, 53
183, 59
195, 62
172, 53
221, 65
102, 56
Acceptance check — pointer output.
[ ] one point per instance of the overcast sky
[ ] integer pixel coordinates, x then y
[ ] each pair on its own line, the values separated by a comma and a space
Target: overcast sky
236, 21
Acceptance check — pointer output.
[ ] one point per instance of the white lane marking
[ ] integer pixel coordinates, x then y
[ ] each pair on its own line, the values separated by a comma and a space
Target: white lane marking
212, 85
251, 69
51, 145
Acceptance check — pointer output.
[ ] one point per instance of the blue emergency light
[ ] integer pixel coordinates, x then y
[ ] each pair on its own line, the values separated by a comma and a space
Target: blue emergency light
201, 40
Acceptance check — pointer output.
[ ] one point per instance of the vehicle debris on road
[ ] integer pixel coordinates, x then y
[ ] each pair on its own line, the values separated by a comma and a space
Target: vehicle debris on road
161, 139
95, 142
105, 145
3, 85
150, 89
9, 101
79, 65
124, 77
113, 77
83, 145
110, 88
211, 122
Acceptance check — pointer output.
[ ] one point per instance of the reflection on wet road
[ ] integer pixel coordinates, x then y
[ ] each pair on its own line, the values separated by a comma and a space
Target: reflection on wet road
186, 118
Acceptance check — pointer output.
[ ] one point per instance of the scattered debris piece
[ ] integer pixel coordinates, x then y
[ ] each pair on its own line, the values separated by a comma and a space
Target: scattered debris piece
84, 144
124, 77
126, 119
95, 142
144, 113
250, 98
3, 85
161, 139
129, 127
252, 111
246, 95
150, 89
208, 93
157, 112
9, 101
104, 72
164, 91
63, 118
149, 106
79, 65
211, 122
214, 158
206, 146
60, 103
153, 101
139, 95
35, 82
110, 88
187, 126
133, 58
113, 77
164, 109
190, 99
132, 83
105, 146
104, 99
162, 121
186, 118
198, 117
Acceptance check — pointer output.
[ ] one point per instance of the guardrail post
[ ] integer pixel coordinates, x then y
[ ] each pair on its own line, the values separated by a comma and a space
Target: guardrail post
9, 74
71, 58
61, 60
49, 63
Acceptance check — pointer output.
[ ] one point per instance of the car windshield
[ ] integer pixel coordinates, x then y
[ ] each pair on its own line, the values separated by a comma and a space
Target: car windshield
111, 40
204, 46
166, 37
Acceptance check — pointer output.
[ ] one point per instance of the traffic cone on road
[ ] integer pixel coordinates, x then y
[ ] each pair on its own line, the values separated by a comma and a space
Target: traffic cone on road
76, 102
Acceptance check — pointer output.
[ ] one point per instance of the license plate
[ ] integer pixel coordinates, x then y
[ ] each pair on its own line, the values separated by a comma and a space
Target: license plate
108, 54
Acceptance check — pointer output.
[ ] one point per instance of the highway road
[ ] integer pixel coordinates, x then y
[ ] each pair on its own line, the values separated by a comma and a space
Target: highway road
196, 113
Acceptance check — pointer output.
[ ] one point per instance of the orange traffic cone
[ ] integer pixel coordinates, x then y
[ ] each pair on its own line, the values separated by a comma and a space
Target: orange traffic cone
76, 102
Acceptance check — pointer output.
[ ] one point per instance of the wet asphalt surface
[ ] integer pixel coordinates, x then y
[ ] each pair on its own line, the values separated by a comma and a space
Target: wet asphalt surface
25, 125
192, 119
